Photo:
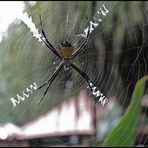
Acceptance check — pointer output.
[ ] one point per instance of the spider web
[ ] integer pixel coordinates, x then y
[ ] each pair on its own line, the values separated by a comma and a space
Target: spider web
38, 64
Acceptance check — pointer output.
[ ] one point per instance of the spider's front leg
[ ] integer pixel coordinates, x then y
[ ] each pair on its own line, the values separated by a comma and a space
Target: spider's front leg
47, 43
83, 44
53, 76
99, 97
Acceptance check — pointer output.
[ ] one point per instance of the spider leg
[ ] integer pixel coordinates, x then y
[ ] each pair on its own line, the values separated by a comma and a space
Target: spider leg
87, 79
44, 95
46, 42
82, 45
92, 87
53, 76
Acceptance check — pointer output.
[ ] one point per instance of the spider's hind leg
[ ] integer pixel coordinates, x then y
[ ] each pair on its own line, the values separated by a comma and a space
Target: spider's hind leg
98, 96
51, 80
44, 95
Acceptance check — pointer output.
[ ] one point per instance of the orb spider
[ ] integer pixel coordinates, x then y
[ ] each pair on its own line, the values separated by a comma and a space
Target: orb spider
66, 53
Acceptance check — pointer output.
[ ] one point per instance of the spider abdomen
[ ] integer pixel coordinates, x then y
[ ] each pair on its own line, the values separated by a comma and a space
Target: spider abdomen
67, 51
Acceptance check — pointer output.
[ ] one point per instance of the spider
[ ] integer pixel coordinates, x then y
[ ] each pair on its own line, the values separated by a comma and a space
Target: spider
66, 53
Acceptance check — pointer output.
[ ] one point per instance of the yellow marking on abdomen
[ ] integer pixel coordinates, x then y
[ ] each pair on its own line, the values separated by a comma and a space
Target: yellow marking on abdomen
66, 51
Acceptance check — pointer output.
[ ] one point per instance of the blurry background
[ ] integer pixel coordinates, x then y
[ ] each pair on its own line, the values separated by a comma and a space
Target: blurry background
115, 57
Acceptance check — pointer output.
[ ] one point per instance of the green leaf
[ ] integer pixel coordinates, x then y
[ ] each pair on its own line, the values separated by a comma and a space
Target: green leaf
124, 133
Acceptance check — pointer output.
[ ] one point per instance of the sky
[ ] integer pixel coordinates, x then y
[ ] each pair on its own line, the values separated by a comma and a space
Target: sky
9, 11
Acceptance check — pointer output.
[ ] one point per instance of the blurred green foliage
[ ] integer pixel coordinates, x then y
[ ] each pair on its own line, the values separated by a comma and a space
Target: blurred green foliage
124, 134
